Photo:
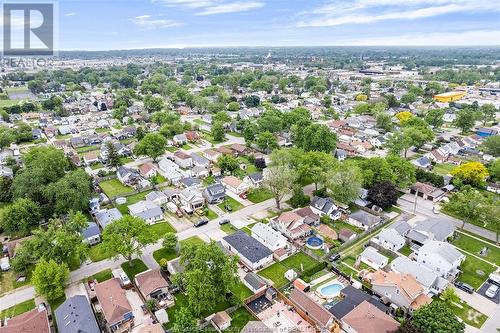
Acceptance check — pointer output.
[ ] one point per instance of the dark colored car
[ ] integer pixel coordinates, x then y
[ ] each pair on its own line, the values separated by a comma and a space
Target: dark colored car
201, 222
464, 286
334, 257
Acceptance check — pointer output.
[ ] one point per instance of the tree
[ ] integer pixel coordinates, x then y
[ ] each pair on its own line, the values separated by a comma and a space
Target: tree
218, 132
279, 181
491, 145
488, 112
222, 117
404, 116
267, 141
5, 189
403, 171
384, 121
228, 163
315, 137
169, 241
465, 119
49, 279
127, 236
436, 317
408, 98
434, 117
473, 173
361, 98
153, 104
449, 296
184, 321
152, 145
252, 101
114, 160
71, 192
493, 170
233, 106
375, 170
344, 182
21, 216
383, 194
208, 277
312, 166
468, 204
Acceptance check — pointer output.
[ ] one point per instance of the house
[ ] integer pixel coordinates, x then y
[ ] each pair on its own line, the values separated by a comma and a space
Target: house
367, 318
238, 149
6, 172
492, 187
422, 162
234, 184
200, 161
91, 234
215, 193
180, 139
271, 238
107, 216
254, 282
251, 252
221, 321
432, 282
211, 155
114, 305
183, 160
400, 289
364, 220
75, 315
310, 218
390, 239
291, 225
148, 170
350, 299
373, 258
127, 176
192, 136
152, 285
325, 206
171, 171
91, 157
437, 156
190, 182
146, 210
427, 191
198, 171
191, 199
346, 235
426, 230
441, 257
34, 321
317, 313
378, 141
254, 179
157, 197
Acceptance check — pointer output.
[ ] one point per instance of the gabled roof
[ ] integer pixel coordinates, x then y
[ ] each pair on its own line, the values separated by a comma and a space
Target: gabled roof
367, 318
407, 285
34, 321
91, 230
351, 298
318, 313
445, 250
150, 280
112, 299
247, 246
75, 316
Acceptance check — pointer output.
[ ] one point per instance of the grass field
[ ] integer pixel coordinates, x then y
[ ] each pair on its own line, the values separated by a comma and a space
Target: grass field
18, 309
7, 102
443, 169
475, 271
474, 246
134, 198
101, 276
8, 281
235, 205
160, 229
241, 291
133, 268
468, 314
98, 253
276, 272
259, 195
113, 188
228, 228
169, 255
239, 319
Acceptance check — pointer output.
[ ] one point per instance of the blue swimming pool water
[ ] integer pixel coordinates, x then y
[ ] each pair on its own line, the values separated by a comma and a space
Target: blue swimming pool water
331, 290
314, 241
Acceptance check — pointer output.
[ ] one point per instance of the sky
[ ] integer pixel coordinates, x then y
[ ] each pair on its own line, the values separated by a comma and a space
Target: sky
133, 24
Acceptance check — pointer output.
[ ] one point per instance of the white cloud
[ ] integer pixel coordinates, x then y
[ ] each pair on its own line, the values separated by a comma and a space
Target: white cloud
147, 22
70, 14
369, 11
213, 7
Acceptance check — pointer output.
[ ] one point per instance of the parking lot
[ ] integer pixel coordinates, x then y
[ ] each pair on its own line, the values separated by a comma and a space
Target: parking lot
482, 292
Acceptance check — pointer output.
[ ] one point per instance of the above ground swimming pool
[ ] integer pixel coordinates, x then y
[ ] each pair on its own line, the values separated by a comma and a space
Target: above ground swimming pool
314, 243
331, 289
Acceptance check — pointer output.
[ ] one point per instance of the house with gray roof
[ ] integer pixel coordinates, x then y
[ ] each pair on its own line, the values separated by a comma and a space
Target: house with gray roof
364, 220
432, 282
254, 179
200, 161
390, 239
157, 197
373, 258
128, 176
75, 315
107, 216
146, 210
251, 252
91, 234
426, 230
350, 299
215, 193
325, 206
254, 282
6, 172
441, 257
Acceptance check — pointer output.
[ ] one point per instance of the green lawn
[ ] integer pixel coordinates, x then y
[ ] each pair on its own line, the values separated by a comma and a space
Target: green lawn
101, 276
228, 228
241, 291
160, 229
475, 271
8, 281
235, 205
125, 160
113, 188
169, 255
406, 250
443, 169
474, 246
18, 309
98, 253
96, 166
276, 272
338, 225
468, 314
208, 181
8, 102
133, 268
239, 319
186, 147
259, 195
16, 90
211, 215
134, 198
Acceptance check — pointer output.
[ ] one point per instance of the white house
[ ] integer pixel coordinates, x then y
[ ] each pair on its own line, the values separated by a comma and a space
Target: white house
291, 225
390, 239
441, 257
146, 210
170, 170
234, 184
268, 236
183, 160
251, 252
325, 206
373, 258
159, 198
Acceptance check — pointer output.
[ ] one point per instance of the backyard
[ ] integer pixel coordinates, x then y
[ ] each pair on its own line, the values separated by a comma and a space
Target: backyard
132, 199
113, 188
276, 272
474, 246
443, 169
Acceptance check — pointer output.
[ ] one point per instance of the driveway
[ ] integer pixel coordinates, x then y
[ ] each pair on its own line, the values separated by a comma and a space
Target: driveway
482, 292
75, 289
140, 319
478, 302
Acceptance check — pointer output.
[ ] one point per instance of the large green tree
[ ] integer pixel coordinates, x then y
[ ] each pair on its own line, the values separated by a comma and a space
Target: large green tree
465, 120
279, 181
315, 137
436, 317
152, 145
21, 217
72, 192
49, 279
344, 182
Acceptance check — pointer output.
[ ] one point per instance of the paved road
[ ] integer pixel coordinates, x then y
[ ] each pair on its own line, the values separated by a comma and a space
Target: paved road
424, 208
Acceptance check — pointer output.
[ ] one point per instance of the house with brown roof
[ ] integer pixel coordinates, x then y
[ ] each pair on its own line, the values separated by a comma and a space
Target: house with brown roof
147, 170
239, 149
402, 290
91, 157
367, 318
152, 285
192, 136
291, 224
34, 321
234, 184
221, 320
224, 150
211, 155
182, 159
314, 311
427, 191
114, 305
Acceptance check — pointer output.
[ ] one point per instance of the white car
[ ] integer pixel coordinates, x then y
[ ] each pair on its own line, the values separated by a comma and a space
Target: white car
492, 291
125, 281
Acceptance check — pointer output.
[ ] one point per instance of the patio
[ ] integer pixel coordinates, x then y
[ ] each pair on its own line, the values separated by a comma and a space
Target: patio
280, 318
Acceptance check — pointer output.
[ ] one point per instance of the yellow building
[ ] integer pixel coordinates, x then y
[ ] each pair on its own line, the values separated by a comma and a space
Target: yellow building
451, 96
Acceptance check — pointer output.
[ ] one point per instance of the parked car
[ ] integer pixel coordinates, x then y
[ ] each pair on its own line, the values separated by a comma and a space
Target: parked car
494, 278
224, 221
334, 257
201, 222
492, 291
124, 280
464, 286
